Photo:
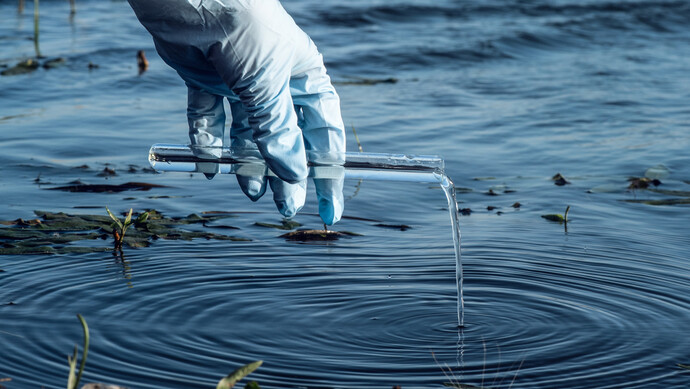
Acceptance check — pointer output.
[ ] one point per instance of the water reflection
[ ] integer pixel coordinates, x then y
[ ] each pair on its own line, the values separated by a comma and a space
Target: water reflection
122, 266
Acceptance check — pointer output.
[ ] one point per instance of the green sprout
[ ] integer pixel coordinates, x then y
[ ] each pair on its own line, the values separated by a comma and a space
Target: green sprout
119, 228
73, 379
36, 20
558, 217
234, 377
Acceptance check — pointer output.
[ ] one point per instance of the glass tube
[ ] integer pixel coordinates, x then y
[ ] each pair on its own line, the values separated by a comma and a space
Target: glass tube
375, 166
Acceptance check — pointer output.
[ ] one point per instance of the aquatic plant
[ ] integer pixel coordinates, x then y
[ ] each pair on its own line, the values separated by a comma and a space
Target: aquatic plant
454, 382
36, 19
231, 379
53, 233
73, 379
75, 375
119, 233
558, 217
560, 180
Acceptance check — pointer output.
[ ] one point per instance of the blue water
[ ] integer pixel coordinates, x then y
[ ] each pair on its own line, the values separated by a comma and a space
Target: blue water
509, 92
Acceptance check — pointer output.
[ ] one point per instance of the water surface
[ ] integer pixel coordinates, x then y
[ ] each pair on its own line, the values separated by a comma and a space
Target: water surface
508, 92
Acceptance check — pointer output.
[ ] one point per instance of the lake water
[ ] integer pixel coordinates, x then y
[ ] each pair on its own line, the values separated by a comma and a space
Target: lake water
509, 92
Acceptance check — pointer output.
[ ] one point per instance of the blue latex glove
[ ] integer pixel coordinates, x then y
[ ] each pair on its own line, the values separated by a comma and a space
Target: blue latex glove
282, 101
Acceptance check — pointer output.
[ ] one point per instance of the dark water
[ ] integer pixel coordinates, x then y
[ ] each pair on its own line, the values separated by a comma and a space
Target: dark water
508, 92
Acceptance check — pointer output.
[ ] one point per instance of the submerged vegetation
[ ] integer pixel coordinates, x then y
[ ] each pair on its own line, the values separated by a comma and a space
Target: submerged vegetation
75, 375
57, 233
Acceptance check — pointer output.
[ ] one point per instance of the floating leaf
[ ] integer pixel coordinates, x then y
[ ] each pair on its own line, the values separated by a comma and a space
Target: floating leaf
684, 366
554, 217
661, 202
234, 377
252, 385
104, 188
560, 180
107, 172
642, 183
285, 225
558, 217
367, 81
23, 67
401, 227
142, 218
315, 235
54, 63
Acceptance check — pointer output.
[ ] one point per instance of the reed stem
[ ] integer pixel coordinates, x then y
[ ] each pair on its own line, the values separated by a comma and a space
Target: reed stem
20, 6
72, 7
36, 19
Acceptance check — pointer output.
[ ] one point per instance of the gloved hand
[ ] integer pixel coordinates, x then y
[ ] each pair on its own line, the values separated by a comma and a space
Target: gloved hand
281, 98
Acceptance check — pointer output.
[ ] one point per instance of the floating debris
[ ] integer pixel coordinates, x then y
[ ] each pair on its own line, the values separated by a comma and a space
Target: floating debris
491, 193
554, 217
26, 66
92, 66
107, 172
142, 62
54, 233
401, 227
465, 211
516, 205
642, 182
559, 180
285, 225
661, 202
54, 63
220, 226
316, 235
684, 366
79, 187
491, 208
558, 217
367, 81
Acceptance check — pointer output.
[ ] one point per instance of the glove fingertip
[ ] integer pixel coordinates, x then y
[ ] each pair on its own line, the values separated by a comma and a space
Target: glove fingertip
330, 212
253, 187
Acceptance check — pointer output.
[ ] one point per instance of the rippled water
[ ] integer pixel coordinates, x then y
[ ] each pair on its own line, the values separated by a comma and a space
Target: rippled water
508, 92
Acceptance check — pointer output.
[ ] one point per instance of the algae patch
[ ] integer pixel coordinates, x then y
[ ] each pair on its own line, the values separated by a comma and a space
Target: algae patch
60, 233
